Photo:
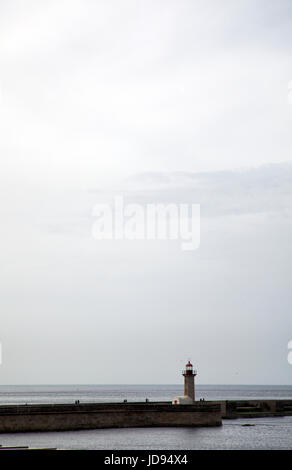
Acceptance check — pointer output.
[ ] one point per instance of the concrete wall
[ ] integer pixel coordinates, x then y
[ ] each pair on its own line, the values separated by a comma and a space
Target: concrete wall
250, 408
92, 416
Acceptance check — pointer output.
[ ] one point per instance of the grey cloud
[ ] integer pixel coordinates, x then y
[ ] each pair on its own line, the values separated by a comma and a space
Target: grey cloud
265, 189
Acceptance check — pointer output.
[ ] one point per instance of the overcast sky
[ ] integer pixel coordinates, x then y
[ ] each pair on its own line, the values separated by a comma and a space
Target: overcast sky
158, 101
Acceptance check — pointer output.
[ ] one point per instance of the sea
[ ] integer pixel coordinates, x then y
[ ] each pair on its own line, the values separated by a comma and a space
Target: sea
264, 433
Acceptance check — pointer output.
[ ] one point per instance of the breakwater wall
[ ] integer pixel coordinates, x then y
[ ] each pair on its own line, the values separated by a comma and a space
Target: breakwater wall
68, 417
254, 408
28, 418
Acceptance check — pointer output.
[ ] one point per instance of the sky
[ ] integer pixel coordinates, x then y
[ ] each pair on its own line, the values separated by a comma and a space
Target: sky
160, 102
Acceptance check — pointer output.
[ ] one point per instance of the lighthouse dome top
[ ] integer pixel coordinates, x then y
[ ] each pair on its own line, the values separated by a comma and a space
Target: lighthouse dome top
188, 364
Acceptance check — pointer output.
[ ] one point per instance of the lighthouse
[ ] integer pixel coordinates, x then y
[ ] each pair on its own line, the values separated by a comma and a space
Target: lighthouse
189, 374
189, 386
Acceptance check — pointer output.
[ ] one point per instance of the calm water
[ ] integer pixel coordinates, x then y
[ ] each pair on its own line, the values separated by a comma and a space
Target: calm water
267, 433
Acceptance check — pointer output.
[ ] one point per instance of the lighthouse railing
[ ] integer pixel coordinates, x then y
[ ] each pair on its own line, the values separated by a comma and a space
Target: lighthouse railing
189, 372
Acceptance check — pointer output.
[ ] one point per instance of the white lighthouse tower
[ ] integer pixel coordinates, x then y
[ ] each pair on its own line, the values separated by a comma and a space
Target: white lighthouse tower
189, 386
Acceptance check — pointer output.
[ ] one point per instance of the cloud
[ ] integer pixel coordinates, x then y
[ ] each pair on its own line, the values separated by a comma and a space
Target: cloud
96, 90
264, 189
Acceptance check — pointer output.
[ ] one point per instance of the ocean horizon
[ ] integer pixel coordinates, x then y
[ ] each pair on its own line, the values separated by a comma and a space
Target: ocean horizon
68, 393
